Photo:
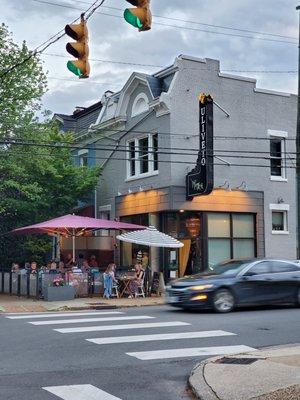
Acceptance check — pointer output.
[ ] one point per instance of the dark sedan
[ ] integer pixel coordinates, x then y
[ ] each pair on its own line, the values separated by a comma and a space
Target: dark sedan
238, 283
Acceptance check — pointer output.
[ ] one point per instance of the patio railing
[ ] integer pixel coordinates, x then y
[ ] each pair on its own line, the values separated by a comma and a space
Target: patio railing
33, 285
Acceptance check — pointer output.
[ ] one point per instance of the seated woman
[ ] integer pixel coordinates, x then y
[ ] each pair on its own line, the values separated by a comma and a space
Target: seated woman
137, 280
109, 278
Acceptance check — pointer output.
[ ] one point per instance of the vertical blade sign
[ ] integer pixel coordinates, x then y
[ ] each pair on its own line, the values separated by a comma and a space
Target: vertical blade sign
200, 181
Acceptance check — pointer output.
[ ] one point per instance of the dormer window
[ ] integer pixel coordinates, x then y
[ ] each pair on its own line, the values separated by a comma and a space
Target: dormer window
140, 105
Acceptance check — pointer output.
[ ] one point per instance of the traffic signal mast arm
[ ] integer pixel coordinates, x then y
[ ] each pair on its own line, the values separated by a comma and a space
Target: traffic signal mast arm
139, 17
78, 49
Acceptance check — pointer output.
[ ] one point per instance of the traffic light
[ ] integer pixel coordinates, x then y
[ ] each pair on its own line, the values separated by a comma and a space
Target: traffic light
139, 17
78, 49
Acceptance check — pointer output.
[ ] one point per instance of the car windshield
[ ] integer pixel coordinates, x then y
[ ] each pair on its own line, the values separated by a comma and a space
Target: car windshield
228, 267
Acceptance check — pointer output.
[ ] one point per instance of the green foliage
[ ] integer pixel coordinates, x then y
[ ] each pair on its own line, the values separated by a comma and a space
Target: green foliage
36, 182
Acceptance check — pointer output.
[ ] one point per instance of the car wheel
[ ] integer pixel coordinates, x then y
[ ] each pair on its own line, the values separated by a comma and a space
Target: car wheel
223, 301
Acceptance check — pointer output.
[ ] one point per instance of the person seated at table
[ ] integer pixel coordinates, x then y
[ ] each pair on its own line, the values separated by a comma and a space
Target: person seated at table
53, 268
33, 268
85, 268
137, 279
15, 268
61, 267
109, 278
93, 263
69, 263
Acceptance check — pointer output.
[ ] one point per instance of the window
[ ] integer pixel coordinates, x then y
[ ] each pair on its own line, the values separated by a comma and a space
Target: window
279, 267
279, 221
230, 236
260, 269
277, 157
140, 105
83, 158
142, 156
131, 154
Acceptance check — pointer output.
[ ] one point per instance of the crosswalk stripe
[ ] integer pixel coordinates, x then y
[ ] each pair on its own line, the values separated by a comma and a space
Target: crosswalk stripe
79, 392
84, 320
160, 336
189, 352
72, 314
121, 327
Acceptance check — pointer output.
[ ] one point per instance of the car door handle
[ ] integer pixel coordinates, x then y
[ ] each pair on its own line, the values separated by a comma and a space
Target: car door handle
269, 279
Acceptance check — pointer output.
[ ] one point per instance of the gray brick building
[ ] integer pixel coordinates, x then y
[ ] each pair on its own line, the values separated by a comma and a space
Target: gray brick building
146, 137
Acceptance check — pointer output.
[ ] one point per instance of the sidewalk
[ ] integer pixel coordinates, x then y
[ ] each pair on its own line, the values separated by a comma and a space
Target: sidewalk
15, 304
274, 375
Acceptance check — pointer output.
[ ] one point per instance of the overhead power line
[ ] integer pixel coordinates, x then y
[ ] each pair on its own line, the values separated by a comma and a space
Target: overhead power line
113, 158
191, 22
265, 71
176, 26
116, 149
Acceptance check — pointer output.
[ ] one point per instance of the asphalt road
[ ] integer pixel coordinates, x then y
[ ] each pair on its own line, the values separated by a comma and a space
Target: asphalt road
38, 361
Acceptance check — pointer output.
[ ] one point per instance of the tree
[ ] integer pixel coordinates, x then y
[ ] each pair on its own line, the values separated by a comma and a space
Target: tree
38, 177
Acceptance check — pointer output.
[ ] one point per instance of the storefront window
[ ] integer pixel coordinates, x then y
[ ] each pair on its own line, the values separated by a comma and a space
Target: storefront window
129, 251
243, 226
218, 225
230, 236
243, 248
218, 250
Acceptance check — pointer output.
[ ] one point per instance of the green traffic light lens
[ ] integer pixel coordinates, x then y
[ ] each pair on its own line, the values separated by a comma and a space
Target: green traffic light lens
132, 19
72, 67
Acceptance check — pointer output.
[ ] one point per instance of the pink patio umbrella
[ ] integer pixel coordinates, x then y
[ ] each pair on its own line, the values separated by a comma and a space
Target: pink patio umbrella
75, 226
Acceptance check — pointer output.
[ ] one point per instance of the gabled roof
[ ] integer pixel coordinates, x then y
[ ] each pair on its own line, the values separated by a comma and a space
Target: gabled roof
81, 119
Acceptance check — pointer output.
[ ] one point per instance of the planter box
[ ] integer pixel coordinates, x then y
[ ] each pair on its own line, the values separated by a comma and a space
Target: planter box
59, 293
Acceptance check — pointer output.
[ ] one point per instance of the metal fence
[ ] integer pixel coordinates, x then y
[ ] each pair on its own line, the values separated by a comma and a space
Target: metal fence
33, 285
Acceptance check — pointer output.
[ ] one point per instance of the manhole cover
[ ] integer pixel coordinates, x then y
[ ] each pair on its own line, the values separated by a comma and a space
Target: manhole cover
239, 361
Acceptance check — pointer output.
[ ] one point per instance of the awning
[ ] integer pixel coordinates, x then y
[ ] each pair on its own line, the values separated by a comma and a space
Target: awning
150, 237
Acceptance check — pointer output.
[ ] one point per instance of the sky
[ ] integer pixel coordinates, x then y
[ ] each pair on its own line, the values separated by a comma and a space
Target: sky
179, 27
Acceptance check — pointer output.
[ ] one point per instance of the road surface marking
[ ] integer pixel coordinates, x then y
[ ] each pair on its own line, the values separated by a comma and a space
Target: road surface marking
160, 336
83, 320
120, 327
79, 392
77, 314
190, 352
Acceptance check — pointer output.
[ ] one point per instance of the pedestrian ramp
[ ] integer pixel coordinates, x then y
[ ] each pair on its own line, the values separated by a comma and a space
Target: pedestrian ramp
79, 392
161, 334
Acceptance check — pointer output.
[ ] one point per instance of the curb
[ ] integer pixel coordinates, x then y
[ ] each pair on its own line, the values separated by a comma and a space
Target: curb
90, 307
199, 387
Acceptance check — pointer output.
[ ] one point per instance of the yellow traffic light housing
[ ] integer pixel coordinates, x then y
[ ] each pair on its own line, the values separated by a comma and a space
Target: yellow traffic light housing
78, 49
139, 17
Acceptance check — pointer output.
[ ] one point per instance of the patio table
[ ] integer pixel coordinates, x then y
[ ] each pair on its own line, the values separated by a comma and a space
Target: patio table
126, 285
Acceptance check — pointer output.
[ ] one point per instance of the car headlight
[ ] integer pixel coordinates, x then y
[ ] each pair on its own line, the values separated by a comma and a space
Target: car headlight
201, 287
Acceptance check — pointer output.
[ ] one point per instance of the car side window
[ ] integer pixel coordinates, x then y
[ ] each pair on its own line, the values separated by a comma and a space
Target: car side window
278, 267
263, 267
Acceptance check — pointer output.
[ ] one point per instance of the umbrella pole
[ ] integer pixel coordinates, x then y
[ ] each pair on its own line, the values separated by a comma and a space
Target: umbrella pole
73, 244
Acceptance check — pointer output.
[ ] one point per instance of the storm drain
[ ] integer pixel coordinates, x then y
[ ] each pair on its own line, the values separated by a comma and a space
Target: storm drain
238, 361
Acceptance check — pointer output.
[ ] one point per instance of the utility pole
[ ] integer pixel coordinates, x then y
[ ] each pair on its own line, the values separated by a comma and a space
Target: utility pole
298, 150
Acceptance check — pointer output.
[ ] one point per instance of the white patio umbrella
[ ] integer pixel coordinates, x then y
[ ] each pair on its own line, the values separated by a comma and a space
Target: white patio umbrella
151, 237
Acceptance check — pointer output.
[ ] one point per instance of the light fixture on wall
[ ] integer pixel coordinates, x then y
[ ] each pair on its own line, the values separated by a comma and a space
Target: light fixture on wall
280, 200
129, 191
141, 189
242, 186
119, 193
226, 186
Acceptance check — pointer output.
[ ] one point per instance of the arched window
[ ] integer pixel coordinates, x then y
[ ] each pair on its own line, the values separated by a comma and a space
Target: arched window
140, 105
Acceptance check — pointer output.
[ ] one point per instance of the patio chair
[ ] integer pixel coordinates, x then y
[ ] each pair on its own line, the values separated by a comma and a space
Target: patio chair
115, 290
140, 289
